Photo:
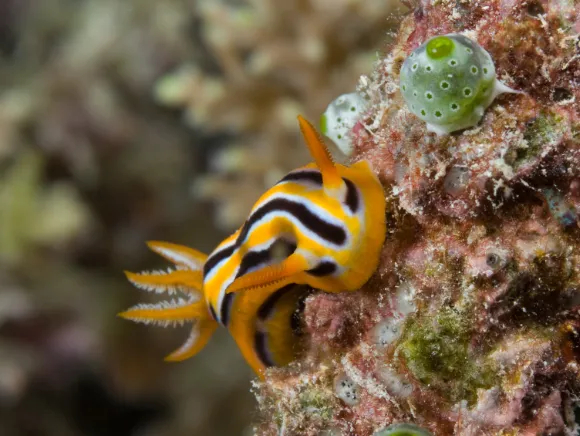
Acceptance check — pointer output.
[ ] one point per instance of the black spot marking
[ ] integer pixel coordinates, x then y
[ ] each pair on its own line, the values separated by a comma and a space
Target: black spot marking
216, 258
332, 233
226, 308
261, 347
352, 200
303, 176
324, 268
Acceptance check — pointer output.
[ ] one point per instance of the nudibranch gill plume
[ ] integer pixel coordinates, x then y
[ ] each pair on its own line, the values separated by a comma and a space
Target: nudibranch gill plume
321, 226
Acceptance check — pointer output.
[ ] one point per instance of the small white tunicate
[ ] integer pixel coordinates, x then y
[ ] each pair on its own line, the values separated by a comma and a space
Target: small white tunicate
394, 383
340, 117
387, 331
346, 390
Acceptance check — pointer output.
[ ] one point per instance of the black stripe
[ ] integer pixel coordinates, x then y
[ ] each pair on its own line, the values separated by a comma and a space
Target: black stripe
216, 258
226, 308
352, 200
261, 347
213, 314
329, 232
324, 268
267, 306
252, 259
303, 176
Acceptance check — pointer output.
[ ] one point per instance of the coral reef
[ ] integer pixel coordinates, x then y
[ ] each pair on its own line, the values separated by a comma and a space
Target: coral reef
470, 325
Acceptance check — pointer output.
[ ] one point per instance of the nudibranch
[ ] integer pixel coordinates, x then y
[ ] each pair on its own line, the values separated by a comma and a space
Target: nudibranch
322, 226
448, 82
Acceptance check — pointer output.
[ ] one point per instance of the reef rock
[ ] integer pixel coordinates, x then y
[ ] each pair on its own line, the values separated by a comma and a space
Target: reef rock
471, 325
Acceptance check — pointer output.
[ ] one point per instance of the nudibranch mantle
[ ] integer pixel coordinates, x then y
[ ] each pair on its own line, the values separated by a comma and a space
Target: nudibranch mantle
448, 82
322, 226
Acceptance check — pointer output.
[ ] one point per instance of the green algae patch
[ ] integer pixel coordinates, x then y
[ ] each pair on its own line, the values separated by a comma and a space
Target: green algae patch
437, 353
317, 403
547, 128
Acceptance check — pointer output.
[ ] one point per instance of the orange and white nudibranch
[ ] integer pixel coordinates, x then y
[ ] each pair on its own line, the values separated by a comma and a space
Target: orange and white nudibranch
321, 226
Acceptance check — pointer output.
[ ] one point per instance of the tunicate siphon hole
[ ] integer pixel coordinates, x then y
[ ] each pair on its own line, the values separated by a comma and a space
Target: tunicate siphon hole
492, 260
535, 9
561, 94
346, 389
495, 259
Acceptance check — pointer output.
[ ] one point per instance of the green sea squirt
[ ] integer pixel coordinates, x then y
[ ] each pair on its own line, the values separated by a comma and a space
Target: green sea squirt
448, 82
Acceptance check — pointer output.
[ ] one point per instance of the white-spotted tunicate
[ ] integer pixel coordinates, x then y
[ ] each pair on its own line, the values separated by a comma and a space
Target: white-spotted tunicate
340, 117
346, 389
448, 82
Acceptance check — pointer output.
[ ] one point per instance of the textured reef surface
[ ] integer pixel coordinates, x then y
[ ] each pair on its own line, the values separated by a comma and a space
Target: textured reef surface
471, 325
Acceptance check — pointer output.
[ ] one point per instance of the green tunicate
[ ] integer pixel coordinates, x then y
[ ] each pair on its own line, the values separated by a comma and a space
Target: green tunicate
403, 430
545, 130
448, 82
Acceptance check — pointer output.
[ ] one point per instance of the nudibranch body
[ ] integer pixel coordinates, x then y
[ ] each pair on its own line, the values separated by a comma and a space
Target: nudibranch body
321, 226
448, 82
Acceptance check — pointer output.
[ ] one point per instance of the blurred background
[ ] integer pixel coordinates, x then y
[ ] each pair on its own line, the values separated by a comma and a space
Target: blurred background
123, 121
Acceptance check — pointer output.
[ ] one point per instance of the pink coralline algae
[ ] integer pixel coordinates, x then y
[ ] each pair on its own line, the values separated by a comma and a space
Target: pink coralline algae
471, 324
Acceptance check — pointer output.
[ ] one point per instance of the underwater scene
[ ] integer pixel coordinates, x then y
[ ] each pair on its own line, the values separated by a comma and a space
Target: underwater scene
302, 217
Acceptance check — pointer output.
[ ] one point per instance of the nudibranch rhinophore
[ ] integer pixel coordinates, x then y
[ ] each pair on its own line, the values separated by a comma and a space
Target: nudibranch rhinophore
448, 82
321, 226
